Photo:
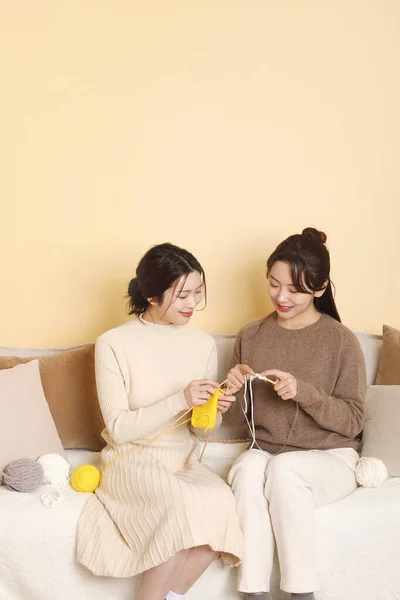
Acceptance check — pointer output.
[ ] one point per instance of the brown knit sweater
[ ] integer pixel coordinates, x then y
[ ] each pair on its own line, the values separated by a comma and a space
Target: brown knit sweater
328, 363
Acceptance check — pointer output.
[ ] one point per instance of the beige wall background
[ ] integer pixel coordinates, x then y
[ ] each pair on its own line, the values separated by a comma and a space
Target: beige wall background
221, 126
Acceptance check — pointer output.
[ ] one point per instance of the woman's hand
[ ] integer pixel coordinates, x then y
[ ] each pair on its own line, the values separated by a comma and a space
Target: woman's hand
198, 392
235, 378
286, 387
225, 402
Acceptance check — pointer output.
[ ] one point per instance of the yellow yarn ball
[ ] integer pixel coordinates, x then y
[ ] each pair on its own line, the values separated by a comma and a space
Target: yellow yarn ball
85, 478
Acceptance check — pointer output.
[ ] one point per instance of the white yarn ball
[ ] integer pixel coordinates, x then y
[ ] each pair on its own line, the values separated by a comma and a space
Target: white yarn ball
56, 469
371, 472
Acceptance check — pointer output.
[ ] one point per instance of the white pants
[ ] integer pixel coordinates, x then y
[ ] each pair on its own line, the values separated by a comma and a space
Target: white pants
276, 498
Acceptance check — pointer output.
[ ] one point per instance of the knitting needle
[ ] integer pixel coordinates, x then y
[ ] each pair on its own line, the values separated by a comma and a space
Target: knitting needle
256, 376
263, 378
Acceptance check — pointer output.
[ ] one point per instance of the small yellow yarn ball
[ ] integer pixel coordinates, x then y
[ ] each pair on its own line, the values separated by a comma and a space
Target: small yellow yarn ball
85, 478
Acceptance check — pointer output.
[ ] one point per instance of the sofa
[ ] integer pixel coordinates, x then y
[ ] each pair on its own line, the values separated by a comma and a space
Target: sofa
358, 538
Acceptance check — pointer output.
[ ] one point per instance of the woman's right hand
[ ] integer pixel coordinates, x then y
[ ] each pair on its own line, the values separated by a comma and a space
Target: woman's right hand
235, 378
198, 392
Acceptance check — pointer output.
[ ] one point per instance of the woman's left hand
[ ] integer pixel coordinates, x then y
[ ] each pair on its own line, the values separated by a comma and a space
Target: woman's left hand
225, 402
286, 387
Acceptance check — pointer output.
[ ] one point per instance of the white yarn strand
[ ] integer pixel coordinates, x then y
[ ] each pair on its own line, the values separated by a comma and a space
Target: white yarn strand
248, 385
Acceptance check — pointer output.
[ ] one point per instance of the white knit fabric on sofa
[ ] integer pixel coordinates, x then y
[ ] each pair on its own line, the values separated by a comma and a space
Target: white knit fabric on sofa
358, 538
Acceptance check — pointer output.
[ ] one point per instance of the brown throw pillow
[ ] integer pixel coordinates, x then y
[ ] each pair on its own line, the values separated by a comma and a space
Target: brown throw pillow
389, 362
69, 384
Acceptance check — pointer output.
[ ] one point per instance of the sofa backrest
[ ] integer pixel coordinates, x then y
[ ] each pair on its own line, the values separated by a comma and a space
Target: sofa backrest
370, 344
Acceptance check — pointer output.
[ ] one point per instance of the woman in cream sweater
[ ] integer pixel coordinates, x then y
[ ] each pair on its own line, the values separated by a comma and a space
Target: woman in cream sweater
158, 511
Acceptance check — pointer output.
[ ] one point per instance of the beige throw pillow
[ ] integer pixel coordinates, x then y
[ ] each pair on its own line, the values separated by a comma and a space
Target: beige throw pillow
27, 427
389, 362
381, 436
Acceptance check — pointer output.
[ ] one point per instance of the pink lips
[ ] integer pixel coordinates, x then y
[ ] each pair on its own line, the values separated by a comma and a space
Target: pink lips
187, 315
283, 308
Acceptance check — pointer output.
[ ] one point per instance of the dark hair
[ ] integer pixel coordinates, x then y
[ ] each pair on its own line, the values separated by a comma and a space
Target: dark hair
156, 272
309, 262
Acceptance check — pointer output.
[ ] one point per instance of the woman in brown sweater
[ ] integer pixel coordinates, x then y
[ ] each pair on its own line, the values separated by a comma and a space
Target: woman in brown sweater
304, 428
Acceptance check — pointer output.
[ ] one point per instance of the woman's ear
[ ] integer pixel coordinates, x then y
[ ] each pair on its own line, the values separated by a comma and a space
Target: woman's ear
152, 301
321, 292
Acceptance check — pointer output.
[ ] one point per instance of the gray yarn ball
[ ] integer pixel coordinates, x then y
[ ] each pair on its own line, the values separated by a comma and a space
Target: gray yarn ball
24, 475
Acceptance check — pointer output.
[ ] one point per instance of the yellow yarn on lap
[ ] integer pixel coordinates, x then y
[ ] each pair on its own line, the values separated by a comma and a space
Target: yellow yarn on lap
205, 415
85, 478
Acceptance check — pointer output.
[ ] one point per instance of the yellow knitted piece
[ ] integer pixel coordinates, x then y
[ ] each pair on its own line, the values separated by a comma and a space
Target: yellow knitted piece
205, 415
85, 478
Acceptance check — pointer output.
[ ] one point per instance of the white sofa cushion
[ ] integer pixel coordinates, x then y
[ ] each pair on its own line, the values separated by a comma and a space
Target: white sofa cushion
357, 540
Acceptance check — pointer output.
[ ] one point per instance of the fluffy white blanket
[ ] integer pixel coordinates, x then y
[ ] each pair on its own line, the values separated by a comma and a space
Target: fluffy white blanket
358, 547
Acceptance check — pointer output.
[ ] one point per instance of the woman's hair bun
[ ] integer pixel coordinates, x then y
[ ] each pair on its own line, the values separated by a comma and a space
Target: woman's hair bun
133, 287
314, 235
137, 303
